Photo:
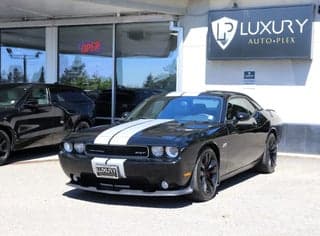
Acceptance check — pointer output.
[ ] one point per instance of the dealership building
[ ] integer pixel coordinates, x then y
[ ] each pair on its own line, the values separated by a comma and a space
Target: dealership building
268, 50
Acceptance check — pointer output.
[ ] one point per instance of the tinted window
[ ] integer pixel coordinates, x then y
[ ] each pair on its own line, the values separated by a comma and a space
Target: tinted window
10, 95
40, 95
239, 105
72, 96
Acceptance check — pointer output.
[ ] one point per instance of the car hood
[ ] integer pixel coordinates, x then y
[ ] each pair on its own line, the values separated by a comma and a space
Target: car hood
5, 112
148, 132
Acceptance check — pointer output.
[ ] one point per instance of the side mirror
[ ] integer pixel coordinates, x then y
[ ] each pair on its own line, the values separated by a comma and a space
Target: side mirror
31, 103
241, 116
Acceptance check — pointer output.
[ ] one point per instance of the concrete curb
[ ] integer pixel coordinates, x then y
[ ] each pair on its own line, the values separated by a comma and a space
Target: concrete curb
298, 155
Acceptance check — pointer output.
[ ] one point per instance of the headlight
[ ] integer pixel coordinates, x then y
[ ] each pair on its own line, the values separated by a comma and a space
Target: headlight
68, 147
172, 152
79, 147
157, 151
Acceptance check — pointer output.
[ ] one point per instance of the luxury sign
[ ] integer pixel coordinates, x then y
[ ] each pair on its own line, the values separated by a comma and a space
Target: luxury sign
283, 32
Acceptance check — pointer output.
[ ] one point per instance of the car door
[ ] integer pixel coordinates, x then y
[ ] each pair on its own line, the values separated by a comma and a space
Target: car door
242, 149
35, 125
63, 111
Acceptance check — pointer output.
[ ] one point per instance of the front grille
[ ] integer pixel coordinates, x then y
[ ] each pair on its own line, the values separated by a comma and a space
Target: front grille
117, 151
90, 180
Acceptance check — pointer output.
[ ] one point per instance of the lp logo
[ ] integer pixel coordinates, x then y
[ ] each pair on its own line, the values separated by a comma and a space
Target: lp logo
224, 31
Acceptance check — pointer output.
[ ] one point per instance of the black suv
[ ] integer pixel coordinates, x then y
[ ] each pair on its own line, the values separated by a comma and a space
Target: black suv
126, 100
33, 115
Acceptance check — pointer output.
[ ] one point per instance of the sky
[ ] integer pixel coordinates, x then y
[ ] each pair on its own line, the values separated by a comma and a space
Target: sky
33, 65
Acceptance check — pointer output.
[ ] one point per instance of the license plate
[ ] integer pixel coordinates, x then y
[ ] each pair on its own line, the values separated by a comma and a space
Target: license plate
109, 172
108, 168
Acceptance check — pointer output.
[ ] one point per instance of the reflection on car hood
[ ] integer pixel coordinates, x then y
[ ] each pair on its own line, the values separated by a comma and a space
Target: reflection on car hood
147, 132
5, 112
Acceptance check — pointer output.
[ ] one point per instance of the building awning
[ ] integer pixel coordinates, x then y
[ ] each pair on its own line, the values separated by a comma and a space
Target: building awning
19, 10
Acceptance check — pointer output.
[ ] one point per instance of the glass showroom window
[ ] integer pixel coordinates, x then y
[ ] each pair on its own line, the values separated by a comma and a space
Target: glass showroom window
145, 62
85, 56
146, 56
23, 55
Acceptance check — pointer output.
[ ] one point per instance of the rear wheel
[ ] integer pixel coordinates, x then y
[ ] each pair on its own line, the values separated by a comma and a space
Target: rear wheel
4, 147
205, 176
269, 159
81, 125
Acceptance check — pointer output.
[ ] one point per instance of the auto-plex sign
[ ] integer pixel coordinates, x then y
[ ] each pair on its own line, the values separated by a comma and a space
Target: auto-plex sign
275, 32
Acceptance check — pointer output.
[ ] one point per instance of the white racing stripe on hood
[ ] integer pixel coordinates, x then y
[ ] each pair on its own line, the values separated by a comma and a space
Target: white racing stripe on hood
106, 136
123, 137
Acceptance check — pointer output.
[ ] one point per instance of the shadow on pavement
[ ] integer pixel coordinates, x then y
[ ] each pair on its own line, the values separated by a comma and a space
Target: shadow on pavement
152, 202
33, 154
237, 179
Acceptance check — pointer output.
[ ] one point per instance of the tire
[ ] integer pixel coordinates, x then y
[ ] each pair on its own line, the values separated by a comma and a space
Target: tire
81, 125
205, 176
269, 159
4, 147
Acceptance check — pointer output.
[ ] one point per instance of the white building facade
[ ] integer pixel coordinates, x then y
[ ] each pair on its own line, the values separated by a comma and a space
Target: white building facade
138, 42
289, 86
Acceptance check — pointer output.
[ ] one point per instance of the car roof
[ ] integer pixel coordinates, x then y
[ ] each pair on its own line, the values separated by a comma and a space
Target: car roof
219, 93
223, 93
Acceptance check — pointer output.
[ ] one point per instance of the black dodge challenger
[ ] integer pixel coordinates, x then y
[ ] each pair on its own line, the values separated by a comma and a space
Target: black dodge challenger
176, 144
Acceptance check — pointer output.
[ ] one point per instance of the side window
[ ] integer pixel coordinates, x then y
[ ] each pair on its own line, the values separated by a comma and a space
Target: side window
239, 105
40, 95
68, 96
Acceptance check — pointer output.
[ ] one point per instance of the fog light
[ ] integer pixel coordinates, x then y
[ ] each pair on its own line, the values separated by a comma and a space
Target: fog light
164, 185
75, 178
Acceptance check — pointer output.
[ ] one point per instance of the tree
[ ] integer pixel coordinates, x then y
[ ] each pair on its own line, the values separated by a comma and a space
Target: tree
41, 78
75, 75
149, 83
17, 75
165, 81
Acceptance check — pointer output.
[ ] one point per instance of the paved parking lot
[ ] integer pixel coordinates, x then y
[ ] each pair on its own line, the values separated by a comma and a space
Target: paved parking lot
34, 200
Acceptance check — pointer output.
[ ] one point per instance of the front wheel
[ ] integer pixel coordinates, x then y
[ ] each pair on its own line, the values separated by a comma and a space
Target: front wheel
205, 176
269, 160
4, 147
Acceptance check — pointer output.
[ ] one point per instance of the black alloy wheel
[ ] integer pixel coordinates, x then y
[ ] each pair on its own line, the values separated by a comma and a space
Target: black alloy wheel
82, 125
205, 176
269, 160
4, 147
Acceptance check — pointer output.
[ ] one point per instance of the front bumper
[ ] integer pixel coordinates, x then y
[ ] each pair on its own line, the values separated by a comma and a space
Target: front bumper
140, 178
132, 192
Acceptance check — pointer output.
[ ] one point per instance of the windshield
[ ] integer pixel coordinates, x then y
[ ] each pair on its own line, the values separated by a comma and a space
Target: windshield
198, 108
11, 94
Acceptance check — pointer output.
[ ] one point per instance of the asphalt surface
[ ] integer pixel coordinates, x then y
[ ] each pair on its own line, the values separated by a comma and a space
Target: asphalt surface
34, 200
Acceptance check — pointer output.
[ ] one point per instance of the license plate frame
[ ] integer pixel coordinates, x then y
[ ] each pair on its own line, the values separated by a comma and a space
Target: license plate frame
106, 171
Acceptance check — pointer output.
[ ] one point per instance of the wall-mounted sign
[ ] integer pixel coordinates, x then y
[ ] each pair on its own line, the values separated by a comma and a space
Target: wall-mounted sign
249, 77
89, 47
274, 32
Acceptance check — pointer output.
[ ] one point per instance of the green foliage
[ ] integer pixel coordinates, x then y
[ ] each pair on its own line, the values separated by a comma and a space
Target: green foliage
77, 76
165, 81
